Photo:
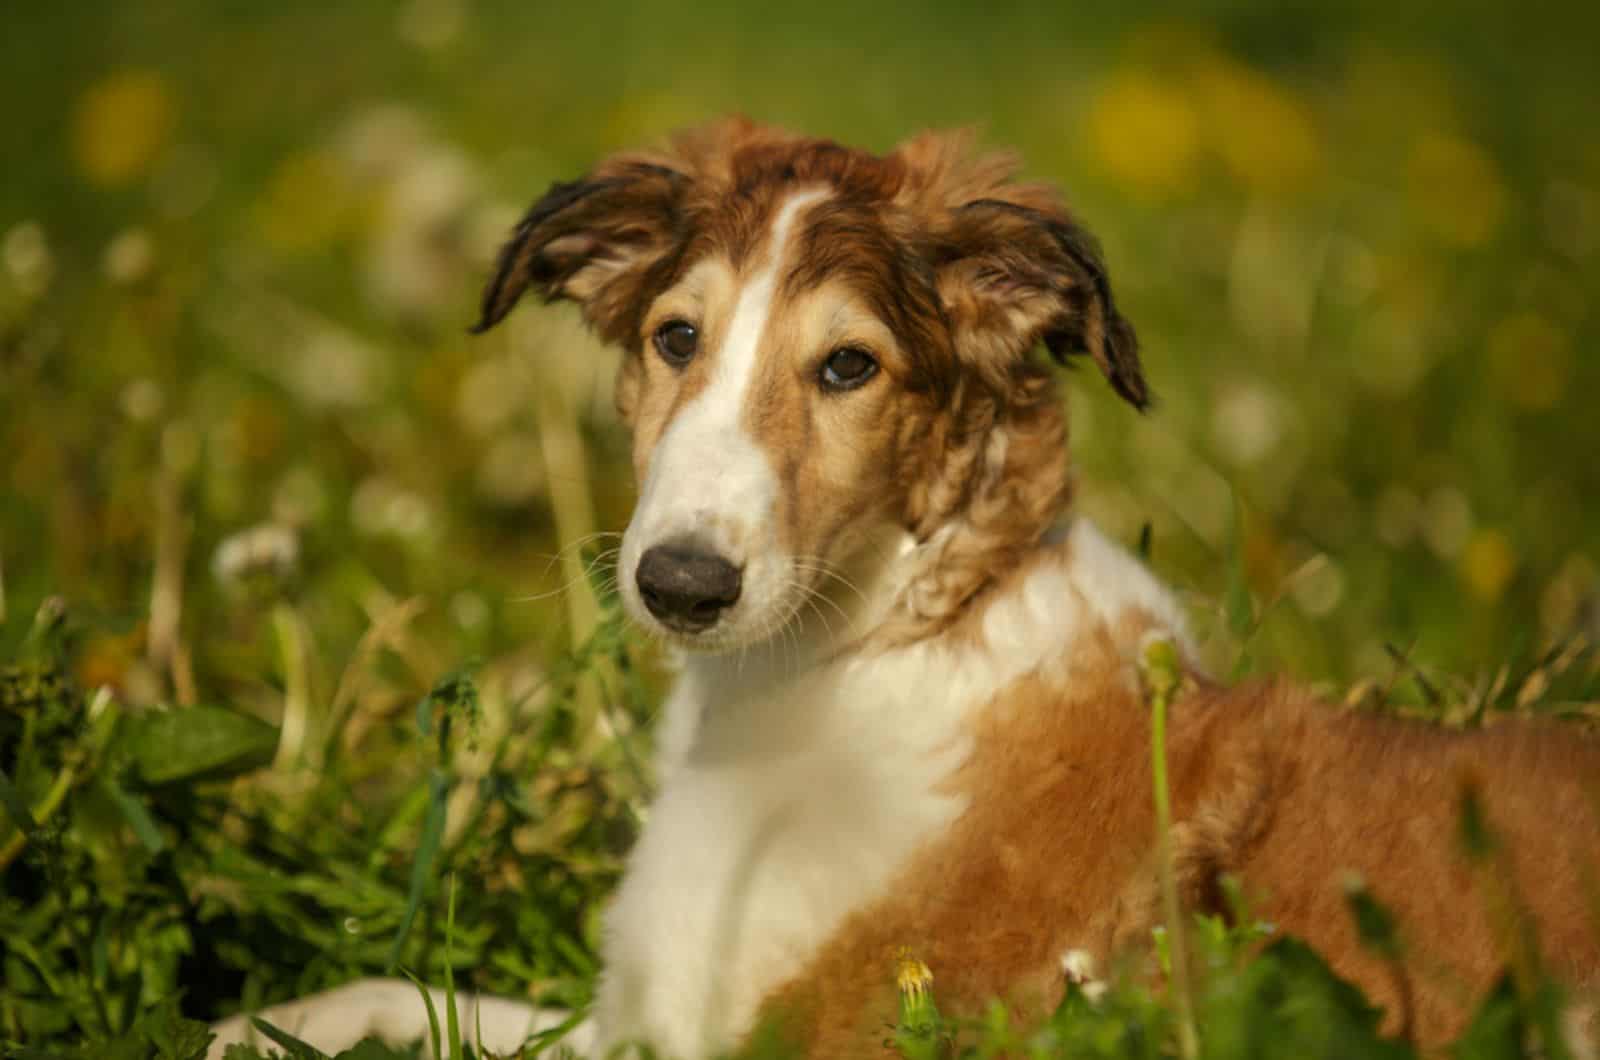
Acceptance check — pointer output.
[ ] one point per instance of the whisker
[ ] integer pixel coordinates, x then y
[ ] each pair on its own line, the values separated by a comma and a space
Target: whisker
816, 595
559, 555
599, 560
811, 603
817, 565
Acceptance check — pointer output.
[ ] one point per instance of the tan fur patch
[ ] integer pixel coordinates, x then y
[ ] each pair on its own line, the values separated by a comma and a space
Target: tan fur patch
1058, 823
1287, 794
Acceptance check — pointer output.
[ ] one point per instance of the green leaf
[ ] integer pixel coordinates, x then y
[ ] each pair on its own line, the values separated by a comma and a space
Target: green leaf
294, 1047
1497, 1030
160, 1033
134, 812
1288, 1002
174, 1037
190, 743
1375, 925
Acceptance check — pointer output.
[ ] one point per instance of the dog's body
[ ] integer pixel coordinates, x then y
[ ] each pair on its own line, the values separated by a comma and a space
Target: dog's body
983, 799
910, 714
803, 792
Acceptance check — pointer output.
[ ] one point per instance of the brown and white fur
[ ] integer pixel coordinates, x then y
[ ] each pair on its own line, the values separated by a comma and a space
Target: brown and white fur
911, 716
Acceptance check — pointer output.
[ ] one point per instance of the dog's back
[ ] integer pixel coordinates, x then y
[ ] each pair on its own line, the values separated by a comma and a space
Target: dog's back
1295, 799
1298, 799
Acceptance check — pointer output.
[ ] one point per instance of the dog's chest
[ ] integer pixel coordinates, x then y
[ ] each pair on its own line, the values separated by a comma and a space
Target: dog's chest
755, 853
790, 804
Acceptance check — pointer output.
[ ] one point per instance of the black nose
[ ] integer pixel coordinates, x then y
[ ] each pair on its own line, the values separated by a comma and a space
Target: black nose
685, 587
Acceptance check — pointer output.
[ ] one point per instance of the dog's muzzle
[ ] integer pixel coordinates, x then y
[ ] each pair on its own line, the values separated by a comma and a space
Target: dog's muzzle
686, 587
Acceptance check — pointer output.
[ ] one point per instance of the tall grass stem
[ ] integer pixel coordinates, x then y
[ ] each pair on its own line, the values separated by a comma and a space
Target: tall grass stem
1162, 677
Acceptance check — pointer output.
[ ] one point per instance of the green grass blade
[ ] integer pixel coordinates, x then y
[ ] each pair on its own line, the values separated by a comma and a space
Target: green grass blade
297, 1049
422, 867
452, 1018
433, 1013
16, 806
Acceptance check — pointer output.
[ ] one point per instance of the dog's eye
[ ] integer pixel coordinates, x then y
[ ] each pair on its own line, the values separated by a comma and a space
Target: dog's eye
847, 368
677, 341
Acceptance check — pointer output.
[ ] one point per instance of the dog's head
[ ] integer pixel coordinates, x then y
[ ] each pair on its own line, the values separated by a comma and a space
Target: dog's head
820, 344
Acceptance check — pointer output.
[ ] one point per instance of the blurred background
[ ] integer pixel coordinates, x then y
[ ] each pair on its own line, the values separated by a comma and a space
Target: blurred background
239, 248
245, 435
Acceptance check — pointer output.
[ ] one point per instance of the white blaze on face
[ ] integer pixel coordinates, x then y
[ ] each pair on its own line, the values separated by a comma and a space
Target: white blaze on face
708, 479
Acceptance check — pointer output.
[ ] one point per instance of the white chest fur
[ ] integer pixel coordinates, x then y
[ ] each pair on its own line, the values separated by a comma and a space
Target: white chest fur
794, 793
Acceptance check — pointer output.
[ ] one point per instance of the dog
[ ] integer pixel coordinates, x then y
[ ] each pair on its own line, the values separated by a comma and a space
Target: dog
910, 711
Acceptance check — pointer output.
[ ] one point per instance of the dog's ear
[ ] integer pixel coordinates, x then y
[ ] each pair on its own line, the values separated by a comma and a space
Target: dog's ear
1011, 276
597, 241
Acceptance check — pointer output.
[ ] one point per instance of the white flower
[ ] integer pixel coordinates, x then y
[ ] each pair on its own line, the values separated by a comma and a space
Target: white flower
26, 254
491, 393
129, 257
378, 141
142, 400
264, 549
512, 471
469, 609
334, 369
381, 507
1318, 585
1247, 422
1077, 966
419, 254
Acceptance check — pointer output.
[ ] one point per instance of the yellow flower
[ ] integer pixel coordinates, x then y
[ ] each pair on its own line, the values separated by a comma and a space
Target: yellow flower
1487, 564
1267, 137
307, 204
1456, 189
919, 1015
120, 124
1530, 360
912, 976
1144, 133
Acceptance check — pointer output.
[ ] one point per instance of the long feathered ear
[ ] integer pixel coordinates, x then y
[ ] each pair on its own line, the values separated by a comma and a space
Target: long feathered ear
1012, 275
598, 241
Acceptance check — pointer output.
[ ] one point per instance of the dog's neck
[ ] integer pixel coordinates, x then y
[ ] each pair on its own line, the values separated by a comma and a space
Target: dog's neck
1003, 483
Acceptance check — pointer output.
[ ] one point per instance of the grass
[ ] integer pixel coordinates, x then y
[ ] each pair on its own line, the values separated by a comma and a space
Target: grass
296, 610
147, 881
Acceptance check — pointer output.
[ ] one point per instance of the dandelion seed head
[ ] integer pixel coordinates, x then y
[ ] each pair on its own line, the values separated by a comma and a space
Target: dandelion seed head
265, 549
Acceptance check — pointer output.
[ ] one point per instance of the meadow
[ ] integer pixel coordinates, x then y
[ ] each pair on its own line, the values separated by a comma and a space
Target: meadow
304, 606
